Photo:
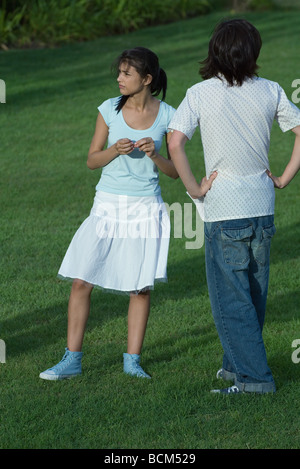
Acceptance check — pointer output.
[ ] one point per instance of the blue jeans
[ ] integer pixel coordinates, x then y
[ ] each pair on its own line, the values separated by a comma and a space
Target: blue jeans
237, 268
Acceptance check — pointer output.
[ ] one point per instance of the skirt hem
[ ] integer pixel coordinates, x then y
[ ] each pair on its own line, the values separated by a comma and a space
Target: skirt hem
112, 290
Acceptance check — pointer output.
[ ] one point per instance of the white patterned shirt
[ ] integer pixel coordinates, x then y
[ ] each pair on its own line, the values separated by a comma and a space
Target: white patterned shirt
235, 125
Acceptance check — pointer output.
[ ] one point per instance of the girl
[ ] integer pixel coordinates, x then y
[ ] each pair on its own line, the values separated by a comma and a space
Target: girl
123, 245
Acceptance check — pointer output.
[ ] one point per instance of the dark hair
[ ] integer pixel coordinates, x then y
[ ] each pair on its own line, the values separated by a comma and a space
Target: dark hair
233, 51
145, 62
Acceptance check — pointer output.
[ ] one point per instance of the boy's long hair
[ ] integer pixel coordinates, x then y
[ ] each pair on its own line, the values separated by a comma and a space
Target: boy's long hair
146, 63
233, 51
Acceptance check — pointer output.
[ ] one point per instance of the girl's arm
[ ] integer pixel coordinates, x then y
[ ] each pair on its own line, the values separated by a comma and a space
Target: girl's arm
164, 164
292, 167
179, 158
97, 157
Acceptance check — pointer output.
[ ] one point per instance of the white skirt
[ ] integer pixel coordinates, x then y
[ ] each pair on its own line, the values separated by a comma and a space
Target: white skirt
122, 246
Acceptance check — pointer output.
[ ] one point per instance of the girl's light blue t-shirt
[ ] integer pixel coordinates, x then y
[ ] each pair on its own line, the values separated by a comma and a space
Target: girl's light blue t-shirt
134, 174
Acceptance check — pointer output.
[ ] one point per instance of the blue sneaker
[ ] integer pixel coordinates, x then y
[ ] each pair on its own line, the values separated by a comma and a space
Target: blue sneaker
68, 367
231, 390
132, 366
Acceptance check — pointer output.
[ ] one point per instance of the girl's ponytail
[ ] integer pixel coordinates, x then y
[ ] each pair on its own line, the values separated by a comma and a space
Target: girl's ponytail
159, 83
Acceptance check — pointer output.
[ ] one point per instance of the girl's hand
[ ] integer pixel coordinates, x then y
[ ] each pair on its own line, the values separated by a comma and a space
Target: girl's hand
124, 146
147, 146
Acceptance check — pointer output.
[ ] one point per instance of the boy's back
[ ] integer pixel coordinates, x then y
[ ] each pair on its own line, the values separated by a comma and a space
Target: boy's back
235, 124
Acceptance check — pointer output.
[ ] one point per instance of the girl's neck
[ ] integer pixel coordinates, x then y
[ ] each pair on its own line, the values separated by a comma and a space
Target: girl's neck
140, 113
140, 101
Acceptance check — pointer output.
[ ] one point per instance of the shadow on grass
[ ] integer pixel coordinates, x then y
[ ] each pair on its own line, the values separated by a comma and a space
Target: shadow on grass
43, 75
39, 327
283, 307
285, 244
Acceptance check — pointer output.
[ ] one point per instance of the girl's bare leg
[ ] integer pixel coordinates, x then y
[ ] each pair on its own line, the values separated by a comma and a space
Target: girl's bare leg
78, 313
138, 312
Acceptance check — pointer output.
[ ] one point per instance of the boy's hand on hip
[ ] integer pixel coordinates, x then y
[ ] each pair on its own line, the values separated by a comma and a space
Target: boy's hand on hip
206, 184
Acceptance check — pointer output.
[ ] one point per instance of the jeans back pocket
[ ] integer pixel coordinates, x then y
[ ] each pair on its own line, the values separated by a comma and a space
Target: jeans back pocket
261, 246
236, 245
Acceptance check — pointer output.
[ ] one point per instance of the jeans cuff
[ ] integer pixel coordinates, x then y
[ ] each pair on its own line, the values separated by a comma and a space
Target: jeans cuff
259, 388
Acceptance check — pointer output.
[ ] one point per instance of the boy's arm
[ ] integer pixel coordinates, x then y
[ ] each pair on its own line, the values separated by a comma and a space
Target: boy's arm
293, 165
179, 158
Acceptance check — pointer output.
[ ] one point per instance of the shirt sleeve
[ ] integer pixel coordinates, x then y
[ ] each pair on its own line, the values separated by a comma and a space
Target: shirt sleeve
186, 118
105, 110
169, 115
288, 114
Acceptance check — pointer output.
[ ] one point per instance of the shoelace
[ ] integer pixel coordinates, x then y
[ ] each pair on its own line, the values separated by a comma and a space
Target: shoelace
137, 370
62, 364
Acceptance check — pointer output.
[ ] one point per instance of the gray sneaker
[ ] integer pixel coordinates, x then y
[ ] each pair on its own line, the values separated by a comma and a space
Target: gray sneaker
231, 390
226, 375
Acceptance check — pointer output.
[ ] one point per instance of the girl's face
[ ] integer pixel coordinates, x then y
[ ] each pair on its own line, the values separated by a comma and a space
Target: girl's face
130, 81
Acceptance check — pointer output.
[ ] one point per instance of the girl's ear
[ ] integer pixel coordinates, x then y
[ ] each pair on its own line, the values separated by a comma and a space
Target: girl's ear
148, 79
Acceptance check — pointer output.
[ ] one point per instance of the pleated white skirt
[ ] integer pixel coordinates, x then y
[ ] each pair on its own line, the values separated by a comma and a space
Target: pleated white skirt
122, 246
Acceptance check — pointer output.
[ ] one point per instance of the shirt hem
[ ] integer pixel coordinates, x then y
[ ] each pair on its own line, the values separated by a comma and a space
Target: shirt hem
129, 193
237, 217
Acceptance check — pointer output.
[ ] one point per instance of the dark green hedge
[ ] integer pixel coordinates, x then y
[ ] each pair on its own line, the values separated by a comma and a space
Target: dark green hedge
48, 22
56, 21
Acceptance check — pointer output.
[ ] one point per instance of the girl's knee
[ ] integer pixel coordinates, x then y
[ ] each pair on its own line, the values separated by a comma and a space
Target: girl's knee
143, 296
81, 286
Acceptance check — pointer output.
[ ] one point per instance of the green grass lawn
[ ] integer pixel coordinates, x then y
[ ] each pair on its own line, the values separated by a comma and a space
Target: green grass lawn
46, 127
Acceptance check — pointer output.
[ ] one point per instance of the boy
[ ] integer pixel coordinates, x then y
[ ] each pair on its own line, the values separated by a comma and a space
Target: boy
235, 109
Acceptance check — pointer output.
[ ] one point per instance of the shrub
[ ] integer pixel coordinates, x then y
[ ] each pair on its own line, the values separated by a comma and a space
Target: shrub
48, 22
56, 21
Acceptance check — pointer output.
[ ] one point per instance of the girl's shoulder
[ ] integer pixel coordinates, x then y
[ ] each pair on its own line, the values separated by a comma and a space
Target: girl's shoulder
109, 104
167, 110
167, 107
108, 109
